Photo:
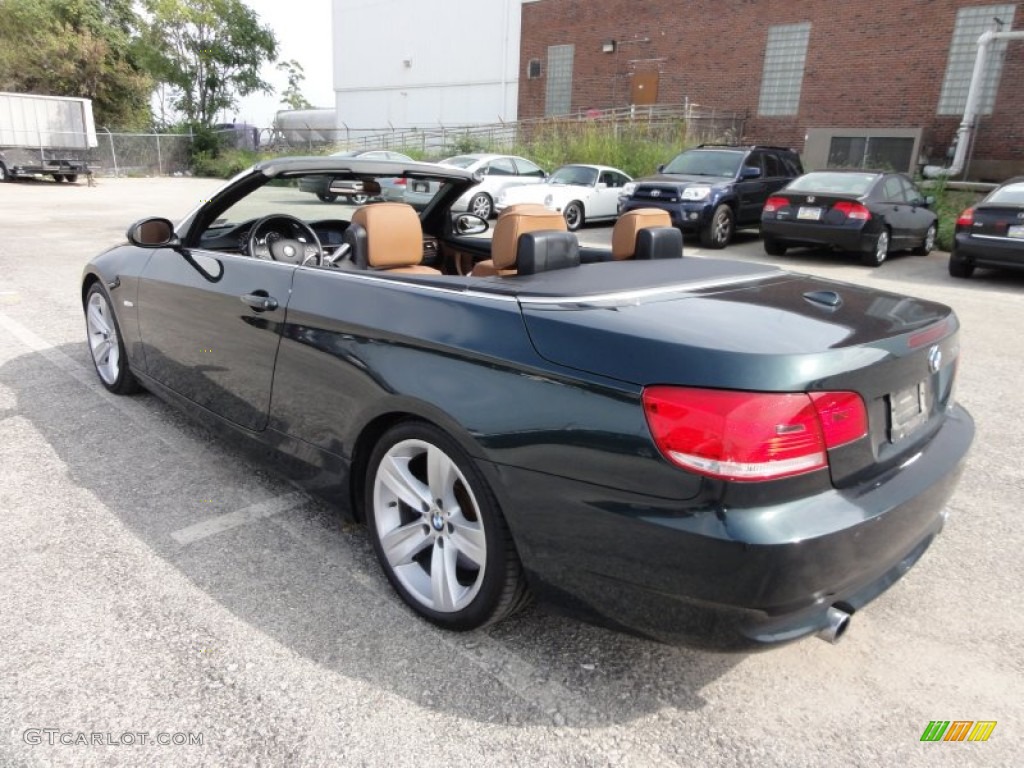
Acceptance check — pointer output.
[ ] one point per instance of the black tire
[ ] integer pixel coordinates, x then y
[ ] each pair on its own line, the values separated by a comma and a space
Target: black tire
327, 198
959, 267
928, 243
774, 247
115, 375
574, 216
719, 231
877, 255
466, 519
71, 178
58, 177
482, 205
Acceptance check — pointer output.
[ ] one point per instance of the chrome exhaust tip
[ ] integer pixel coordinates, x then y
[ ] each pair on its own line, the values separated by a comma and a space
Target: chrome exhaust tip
838, 621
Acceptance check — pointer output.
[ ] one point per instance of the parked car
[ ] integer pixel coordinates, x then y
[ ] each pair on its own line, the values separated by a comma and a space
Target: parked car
498, 172
581, 193
713, 190
869, 212
352, 193
991, 233
697, 450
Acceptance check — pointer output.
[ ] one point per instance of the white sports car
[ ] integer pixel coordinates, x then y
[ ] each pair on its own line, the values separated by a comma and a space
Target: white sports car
581, 193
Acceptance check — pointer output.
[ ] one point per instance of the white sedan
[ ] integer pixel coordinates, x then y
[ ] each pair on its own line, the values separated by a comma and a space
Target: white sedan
581, 193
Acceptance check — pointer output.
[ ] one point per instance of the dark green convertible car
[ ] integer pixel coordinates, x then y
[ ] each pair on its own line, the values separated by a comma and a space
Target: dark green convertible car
695, 450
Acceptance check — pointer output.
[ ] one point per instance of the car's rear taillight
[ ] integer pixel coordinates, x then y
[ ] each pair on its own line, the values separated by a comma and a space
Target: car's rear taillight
852, 210
966, 218
401, 182
751, 436
773, 204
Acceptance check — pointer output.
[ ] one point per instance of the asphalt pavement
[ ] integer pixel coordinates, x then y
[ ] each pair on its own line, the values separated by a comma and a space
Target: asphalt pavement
165, 601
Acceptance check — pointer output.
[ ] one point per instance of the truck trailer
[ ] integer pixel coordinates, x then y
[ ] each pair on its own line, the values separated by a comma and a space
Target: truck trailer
45, 136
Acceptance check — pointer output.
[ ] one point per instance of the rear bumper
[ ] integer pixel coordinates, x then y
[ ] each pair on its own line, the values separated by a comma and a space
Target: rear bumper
818, 234
994, 252
729, 578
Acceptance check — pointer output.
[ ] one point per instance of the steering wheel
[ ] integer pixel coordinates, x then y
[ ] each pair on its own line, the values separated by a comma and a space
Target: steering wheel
266, 242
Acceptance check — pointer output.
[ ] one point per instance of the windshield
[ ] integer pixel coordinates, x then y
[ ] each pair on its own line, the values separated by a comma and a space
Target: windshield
574, 174
461, 161
706, 162
856, 184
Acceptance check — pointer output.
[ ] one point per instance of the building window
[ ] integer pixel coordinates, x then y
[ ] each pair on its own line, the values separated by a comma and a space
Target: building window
558, 97
885, 152
784, 57
963, 50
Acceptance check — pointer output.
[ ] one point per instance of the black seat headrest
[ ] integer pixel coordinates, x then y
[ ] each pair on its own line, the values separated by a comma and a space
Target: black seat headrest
355, 237
546, 250
659, 243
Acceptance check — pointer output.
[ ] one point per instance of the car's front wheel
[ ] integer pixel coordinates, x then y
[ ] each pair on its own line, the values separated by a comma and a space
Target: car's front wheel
774, 247
877, 255
327, 198
960, 267
928, 243
106, 344
482, 205
718, 233
574, 216
438, 532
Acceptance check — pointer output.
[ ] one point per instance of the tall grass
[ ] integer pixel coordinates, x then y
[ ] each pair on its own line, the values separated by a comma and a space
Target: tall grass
949, 203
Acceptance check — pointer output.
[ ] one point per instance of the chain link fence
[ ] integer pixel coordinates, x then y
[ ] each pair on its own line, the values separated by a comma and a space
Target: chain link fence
140, 154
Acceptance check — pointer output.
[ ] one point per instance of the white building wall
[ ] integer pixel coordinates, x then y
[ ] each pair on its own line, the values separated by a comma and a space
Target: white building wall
423, 63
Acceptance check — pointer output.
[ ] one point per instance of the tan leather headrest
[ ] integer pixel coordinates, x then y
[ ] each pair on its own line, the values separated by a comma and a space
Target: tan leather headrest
520, 207
629, 224
394, 237
511, 225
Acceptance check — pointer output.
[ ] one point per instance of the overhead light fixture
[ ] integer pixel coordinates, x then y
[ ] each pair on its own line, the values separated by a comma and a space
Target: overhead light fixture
608, 46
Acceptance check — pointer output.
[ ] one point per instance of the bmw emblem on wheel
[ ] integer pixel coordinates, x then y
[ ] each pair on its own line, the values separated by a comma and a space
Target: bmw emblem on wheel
934, 359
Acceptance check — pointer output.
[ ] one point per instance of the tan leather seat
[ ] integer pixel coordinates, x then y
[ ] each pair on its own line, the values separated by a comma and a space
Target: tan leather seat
629, 225
394, 238
509, 227
520, 207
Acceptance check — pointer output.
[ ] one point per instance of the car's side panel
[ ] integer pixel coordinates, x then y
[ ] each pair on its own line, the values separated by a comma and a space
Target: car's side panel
356, 349
202, 340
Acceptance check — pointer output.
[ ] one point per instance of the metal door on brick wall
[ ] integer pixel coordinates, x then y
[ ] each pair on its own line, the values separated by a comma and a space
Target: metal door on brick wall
644, 88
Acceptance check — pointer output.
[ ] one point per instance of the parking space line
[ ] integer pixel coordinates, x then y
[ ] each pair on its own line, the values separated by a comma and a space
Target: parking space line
258, 511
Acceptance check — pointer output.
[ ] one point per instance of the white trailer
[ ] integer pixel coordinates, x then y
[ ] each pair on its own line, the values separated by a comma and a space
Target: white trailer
45, 135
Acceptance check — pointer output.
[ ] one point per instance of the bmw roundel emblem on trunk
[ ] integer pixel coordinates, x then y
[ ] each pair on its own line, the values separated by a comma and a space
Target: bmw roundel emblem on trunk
934, 359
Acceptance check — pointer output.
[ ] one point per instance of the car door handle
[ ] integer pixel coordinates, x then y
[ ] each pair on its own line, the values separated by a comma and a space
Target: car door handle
261, 301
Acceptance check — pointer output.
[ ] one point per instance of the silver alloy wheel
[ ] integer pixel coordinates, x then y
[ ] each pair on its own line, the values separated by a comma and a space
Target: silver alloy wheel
360, 199
929, 239
882, 247
480, 205
106, 352
429, 526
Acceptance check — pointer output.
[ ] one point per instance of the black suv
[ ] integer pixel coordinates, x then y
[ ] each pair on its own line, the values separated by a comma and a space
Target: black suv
715, 189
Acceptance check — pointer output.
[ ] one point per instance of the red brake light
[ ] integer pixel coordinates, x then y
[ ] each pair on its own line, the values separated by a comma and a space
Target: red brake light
401, 182
772, 204
852, 210
966, 218
751, 436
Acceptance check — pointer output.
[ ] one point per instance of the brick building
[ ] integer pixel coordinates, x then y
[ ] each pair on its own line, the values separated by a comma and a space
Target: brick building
867, 82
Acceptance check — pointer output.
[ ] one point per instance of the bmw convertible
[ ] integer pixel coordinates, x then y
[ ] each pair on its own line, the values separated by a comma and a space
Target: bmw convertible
698, 451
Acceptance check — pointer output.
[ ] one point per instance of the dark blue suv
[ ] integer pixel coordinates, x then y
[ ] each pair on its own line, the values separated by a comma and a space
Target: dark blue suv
714, 190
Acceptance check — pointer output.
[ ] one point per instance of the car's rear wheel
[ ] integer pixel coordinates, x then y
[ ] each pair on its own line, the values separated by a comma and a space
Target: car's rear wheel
574, 216
58, 177
960, 267
774, 247
718, 233
482, 205
877, 255
106, 344
438, 532
71, 178
327, 198
928, 243
360, 199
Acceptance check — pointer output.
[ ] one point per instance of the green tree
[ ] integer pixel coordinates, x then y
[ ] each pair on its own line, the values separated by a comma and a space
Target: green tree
84, 48
292, 96
208, 53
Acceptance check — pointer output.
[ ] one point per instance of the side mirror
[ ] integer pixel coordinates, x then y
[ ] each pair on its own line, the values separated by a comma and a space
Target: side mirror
661, 168
928, 202
469, 224
602, 185
153, 233
750, 172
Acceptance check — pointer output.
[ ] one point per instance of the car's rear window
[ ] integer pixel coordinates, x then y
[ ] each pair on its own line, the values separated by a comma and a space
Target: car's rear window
461, 161
1011, 193
834, 183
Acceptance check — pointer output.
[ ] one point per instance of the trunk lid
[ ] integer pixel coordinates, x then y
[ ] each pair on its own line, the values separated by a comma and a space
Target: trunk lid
998, 220
787, 333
